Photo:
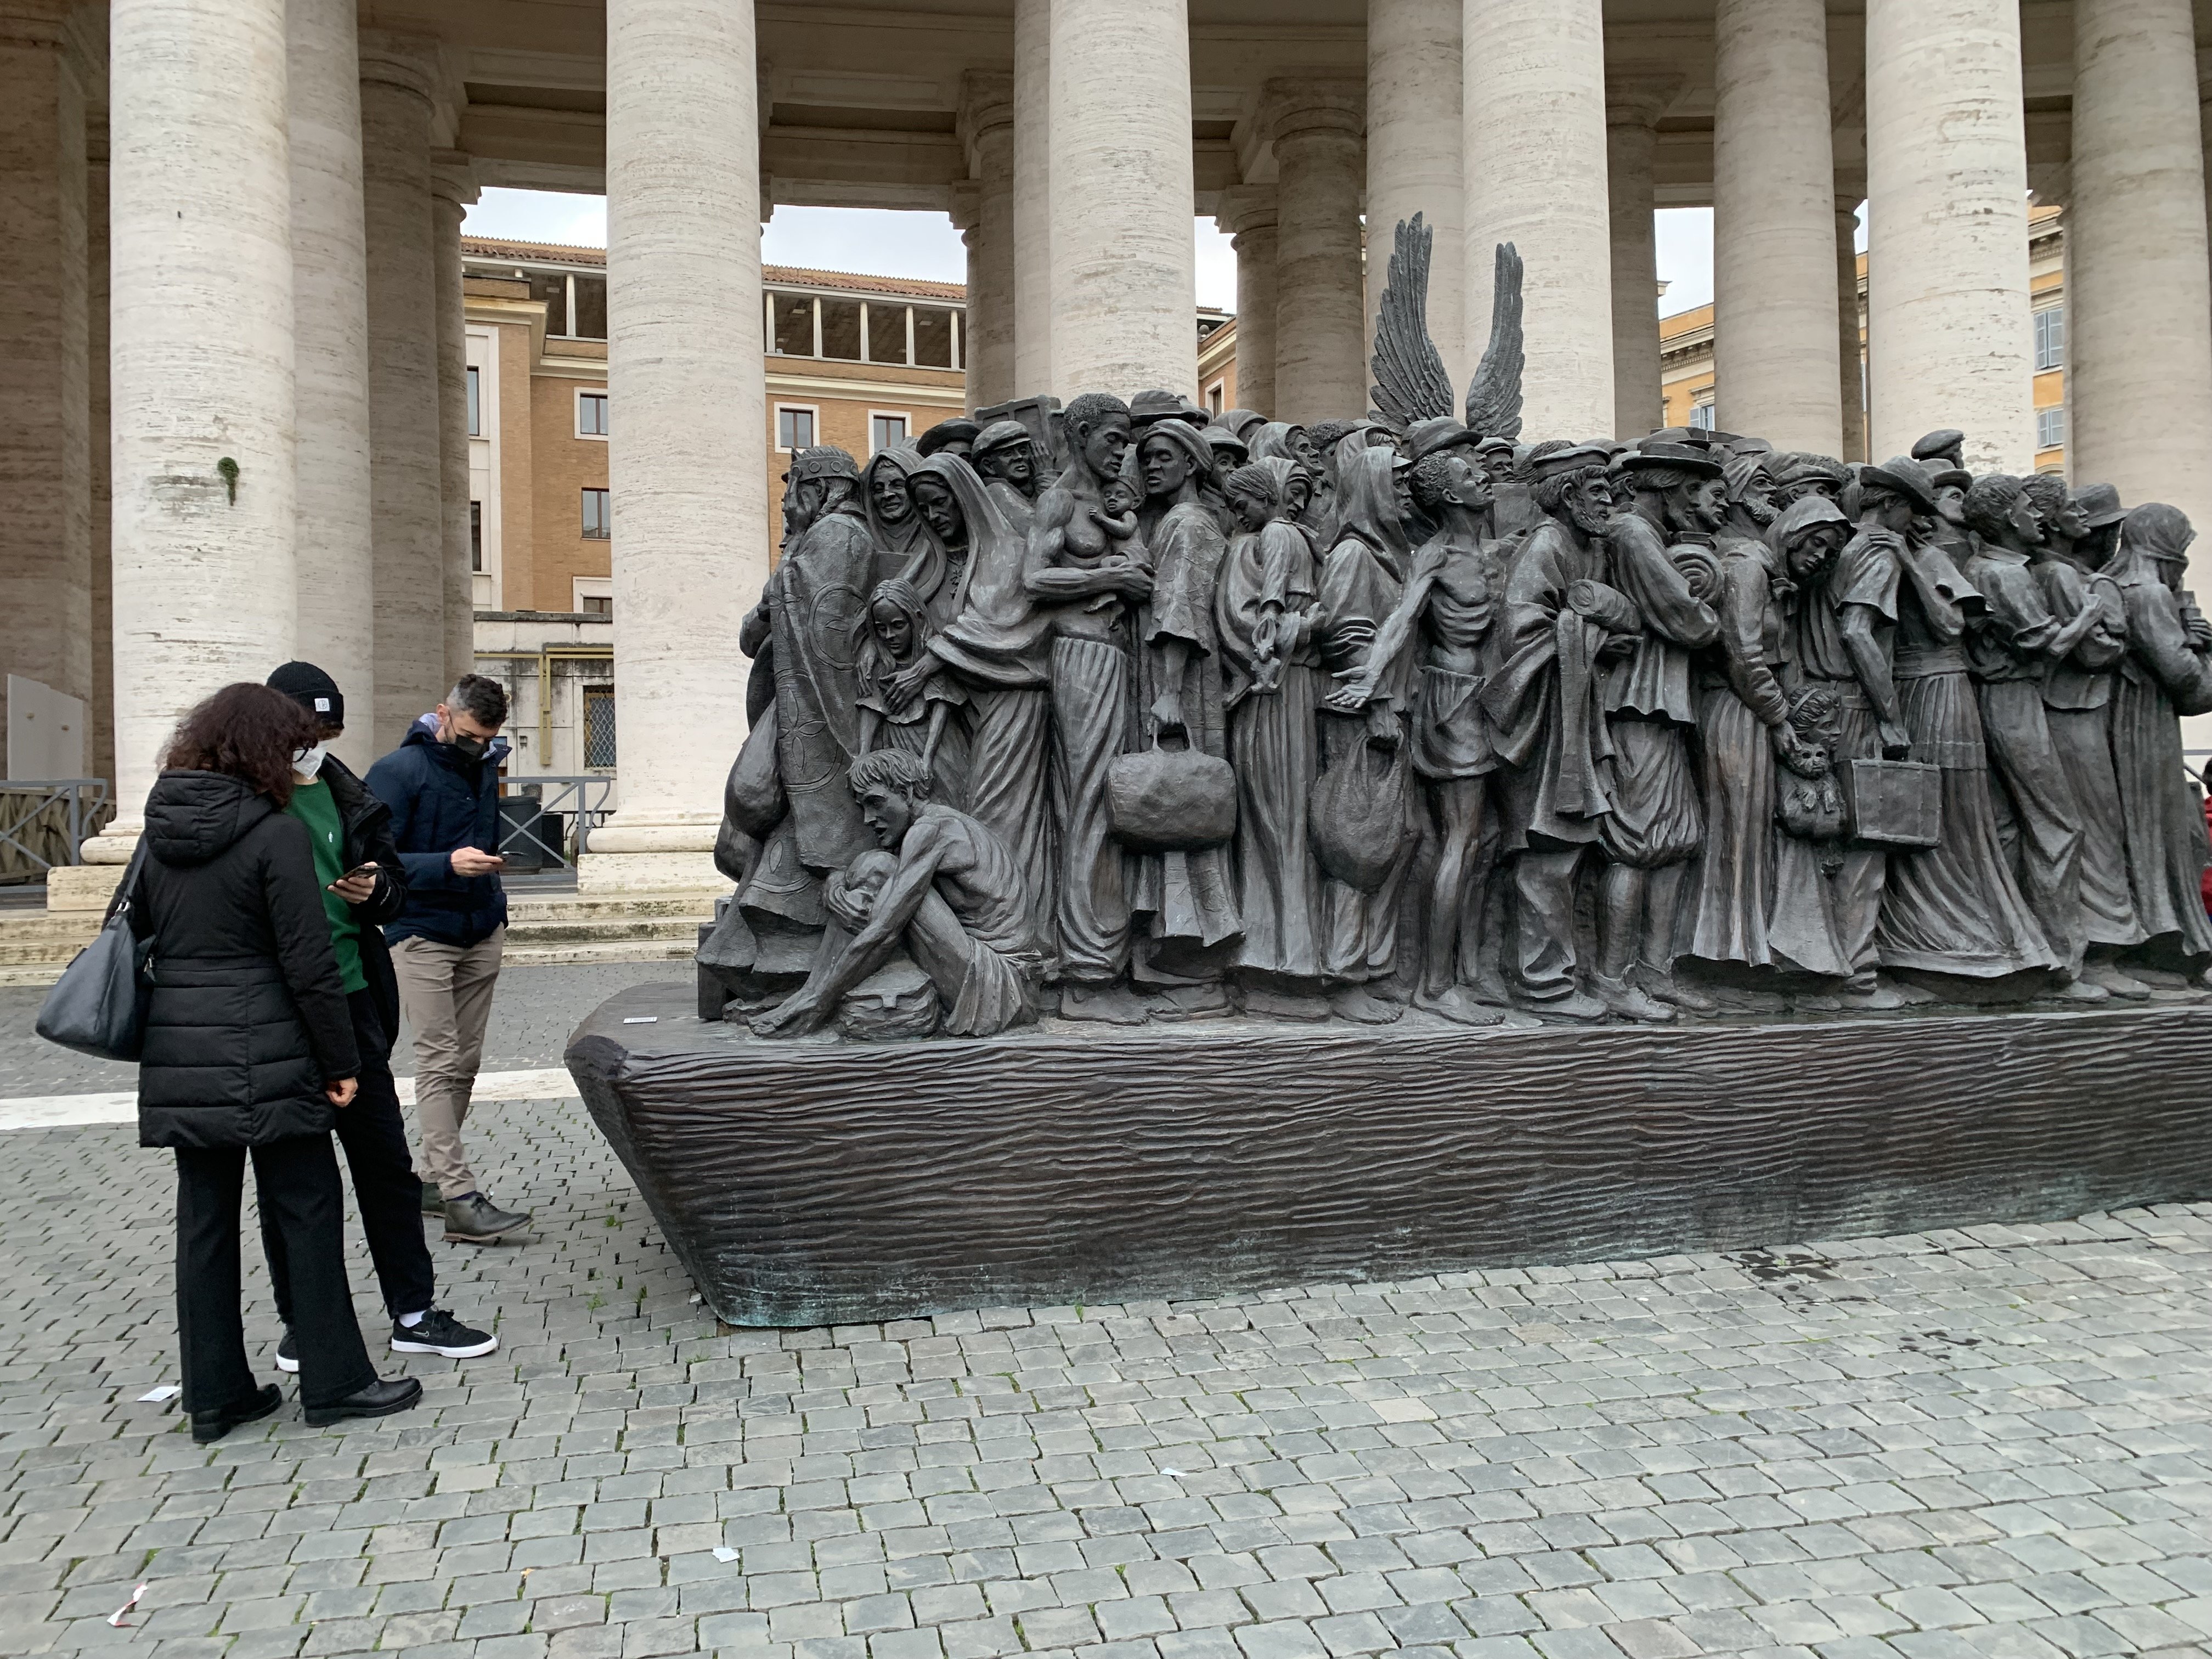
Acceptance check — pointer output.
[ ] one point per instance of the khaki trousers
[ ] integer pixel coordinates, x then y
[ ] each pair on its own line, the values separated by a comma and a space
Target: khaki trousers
447, 991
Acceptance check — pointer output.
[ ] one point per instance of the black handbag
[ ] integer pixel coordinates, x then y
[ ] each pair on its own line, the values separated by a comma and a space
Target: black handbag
98, 1007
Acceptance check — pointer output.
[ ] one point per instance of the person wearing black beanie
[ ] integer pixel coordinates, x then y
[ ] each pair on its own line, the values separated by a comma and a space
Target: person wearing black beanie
365, 885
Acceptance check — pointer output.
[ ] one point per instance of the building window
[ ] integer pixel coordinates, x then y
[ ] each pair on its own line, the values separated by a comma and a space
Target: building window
597, 523
550, 289
1217, 397
794, 428
2049, 425
590, 303
591, 414
2051, 337
889, 330
599, 728
598, 605
476, 404
794, 336
1701, 417
932, 338
476, 535
884, 430
841, 330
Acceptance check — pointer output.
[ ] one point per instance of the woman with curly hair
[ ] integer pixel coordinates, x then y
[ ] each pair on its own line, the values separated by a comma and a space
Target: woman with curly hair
249, 1049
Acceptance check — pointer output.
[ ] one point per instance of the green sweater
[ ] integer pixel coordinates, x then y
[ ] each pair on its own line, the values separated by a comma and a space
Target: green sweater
312, 805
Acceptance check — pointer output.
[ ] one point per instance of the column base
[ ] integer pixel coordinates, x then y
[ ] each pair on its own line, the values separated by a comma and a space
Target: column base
83, 886
670, 852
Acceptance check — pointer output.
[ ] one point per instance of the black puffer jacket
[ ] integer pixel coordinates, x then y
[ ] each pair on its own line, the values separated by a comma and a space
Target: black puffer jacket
248, 1020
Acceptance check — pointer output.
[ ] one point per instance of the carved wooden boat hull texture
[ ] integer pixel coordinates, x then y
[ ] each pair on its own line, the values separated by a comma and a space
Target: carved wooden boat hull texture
831, 1183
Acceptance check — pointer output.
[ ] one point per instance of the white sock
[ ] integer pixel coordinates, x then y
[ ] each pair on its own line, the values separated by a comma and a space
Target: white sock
410, 1320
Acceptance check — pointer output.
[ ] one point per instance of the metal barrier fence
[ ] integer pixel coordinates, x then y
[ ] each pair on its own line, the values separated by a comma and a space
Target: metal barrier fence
555, 827
44, 822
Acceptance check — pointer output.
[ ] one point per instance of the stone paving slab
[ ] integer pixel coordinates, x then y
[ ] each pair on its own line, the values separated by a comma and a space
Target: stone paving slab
1987, 1444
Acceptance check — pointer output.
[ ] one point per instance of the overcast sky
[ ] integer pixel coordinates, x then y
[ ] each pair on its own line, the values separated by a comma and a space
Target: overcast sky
925, 244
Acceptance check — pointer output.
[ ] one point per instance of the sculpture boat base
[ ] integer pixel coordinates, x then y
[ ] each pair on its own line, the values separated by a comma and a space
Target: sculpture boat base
818, 1183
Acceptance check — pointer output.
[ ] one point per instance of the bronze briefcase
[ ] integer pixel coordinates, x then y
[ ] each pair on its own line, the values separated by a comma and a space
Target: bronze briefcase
1896, 803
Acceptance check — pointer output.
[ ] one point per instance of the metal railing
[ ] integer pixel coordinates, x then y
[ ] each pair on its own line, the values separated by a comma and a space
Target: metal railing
578, 805
26, 808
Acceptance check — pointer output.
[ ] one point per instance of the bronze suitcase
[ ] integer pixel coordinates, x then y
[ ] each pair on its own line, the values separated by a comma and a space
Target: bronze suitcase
1896, 803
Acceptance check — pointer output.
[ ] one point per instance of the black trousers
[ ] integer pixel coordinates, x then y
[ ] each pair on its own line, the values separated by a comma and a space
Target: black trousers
296, 1181
385, 1187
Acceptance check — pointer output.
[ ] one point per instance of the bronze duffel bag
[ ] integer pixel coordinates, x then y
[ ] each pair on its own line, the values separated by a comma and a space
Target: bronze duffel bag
1171, 800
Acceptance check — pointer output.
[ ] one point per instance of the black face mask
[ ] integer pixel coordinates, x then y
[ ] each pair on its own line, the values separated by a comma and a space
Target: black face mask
473, 748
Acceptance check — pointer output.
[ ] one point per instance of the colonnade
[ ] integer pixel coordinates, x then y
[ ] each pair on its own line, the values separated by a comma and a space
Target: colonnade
234, 295
282, 341
1512, 147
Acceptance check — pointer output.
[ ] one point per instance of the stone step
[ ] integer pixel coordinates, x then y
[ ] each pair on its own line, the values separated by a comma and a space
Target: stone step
74, 928
57, 953
611, 930
571, 907
584, 953
35, 945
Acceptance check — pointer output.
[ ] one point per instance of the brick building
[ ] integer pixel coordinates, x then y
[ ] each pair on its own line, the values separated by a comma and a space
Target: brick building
857, 361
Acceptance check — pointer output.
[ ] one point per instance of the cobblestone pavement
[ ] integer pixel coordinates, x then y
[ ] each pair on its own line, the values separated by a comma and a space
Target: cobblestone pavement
1973, 1445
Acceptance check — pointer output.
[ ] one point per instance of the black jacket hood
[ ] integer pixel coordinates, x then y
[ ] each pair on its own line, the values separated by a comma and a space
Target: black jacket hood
194, 817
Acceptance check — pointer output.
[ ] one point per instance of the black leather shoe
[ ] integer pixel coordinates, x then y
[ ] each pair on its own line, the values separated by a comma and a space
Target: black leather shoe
476, 1219
209, 1426
381, 1397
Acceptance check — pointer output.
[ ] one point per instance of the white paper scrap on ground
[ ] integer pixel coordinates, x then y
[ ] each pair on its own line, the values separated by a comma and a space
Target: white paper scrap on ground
156, 1396
121, 1106
724, 1553
641, 1019
116, 1617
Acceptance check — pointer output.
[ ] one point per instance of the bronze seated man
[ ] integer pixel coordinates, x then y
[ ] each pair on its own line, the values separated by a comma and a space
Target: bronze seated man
945, 888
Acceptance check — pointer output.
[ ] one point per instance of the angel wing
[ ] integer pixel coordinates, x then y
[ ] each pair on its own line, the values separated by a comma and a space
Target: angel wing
1410, 381
1493, 396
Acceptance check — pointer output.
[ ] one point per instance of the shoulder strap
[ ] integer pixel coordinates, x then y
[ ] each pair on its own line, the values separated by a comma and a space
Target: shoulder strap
126, 890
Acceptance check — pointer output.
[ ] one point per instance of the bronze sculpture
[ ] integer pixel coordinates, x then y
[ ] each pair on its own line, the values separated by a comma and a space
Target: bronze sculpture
1393, 713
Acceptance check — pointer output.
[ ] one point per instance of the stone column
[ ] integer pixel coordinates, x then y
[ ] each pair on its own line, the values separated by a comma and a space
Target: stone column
1534, 102
1032, 197
989, 331
2204, 122
1414, 132
1124, 286
1850, 353
1950, 341
1248, 214
1632, 108
45, 443
200, 344
1320, 309
1774, 224
407, 525
687, 375
2139, 288
453, 187
330, 278
100, 753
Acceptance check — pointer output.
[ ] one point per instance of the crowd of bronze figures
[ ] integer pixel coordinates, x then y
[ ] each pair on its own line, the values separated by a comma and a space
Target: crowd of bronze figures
1129, 711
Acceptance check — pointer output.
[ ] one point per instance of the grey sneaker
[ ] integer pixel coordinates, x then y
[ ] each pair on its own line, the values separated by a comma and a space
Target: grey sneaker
474, 1219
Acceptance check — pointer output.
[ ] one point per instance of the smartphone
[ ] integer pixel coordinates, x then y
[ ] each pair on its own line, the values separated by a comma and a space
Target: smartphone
359, 872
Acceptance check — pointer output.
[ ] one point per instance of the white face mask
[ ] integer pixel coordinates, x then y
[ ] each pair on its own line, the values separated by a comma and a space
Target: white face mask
306, 763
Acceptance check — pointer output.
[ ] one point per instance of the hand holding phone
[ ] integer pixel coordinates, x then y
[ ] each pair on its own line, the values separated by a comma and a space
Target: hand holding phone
474, 861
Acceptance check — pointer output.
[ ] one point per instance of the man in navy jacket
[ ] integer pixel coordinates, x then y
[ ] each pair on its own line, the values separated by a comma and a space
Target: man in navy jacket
442, 786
